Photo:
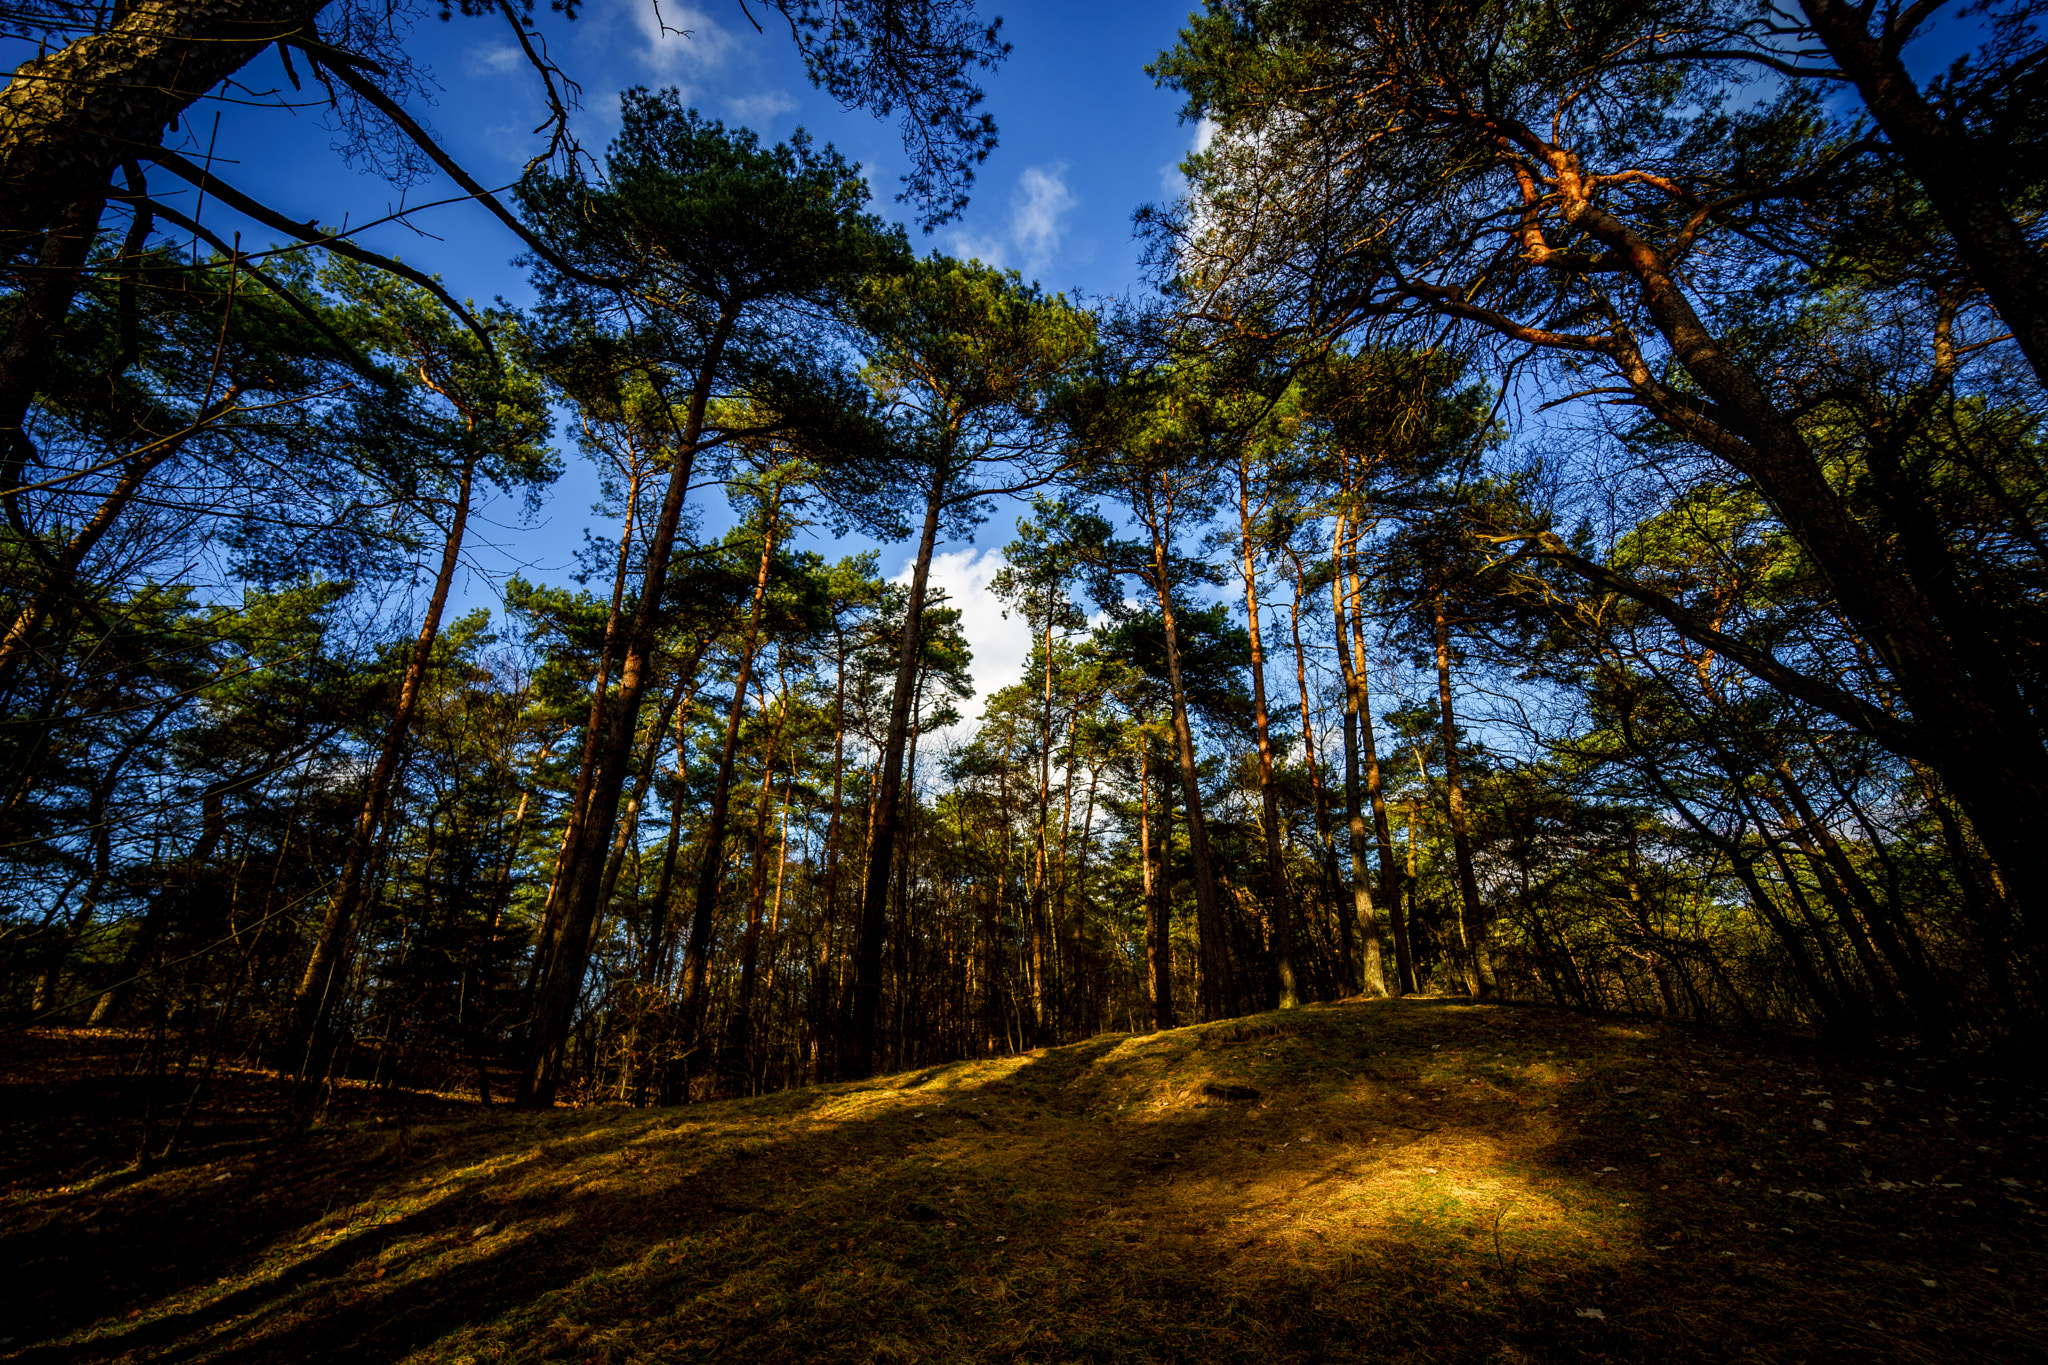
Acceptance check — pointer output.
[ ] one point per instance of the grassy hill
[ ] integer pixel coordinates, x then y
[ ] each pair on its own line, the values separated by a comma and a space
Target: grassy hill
1419, 1180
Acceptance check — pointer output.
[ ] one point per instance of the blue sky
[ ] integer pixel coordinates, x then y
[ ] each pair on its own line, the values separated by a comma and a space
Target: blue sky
1085, 139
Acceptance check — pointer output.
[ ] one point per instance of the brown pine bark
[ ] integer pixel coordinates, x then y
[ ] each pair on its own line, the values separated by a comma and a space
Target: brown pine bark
1278, 893
1960, 177
1218, 985
1358, 741
860, 1052
1326, 840
70, 117
1471, 914
561, 984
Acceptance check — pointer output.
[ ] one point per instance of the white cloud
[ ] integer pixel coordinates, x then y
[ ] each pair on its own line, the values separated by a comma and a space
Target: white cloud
756, 110
1000, 646
1042, 200
978, 246
1038, 209
678, 40
493, 59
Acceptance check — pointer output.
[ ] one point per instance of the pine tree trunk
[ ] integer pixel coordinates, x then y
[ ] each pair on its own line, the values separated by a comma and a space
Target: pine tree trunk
1219, 997
69, 118
309, 1002
1357, 739
1471, 917
561, 984
860, 1056
711, 860
1279, 896
1326, 840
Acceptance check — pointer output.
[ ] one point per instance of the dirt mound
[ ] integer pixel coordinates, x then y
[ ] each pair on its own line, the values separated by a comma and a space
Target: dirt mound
1422, 1180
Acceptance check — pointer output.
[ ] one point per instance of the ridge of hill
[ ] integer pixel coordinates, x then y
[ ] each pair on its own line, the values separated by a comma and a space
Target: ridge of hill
1415, 1180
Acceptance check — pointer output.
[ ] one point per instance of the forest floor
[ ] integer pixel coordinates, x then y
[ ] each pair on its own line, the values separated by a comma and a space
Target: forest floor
1420, 1180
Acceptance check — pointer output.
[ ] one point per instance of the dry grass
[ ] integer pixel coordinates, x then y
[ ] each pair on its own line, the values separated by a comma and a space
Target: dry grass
1418, 1180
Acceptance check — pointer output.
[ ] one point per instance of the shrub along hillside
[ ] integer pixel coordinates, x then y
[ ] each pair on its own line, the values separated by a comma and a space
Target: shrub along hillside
1413, 1180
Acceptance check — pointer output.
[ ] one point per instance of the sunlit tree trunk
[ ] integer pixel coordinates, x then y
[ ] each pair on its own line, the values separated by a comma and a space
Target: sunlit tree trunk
1357, 740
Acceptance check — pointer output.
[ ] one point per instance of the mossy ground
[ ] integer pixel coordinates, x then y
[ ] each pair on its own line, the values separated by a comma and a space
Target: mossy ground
1420, 1180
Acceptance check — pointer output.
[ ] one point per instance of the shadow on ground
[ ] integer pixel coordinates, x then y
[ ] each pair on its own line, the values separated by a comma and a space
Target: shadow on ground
1419, 1180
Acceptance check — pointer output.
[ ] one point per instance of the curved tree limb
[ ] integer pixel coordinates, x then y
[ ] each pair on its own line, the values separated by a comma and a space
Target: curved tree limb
1865, 717
311, 234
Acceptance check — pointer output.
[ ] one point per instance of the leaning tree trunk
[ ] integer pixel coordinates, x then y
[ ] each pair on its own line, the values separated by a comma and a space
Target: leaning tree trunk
69, 118
561, 983
884, 817
711, 862
1961, 177
311, 1001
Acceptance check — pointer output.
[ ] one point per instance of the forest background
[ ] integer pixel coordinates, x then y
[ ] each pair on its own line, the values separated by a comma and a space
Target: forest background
1572, 531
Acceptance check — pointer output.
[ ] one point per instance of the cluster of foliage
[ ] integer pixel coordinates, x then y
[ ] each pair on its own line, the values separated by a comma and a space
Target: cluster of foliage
1320, 701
